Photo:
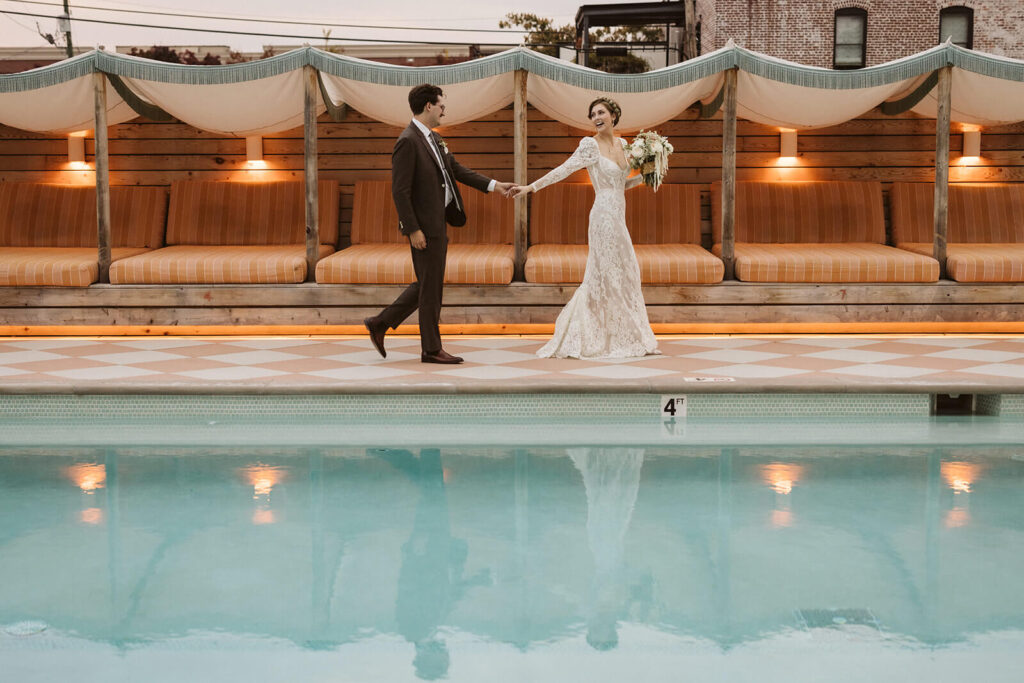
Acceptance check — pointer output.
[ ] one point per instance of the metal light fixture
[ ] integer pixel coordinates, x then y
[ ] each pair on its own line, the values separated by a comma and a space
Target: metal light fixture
254, 148
76, 149
787, 143
972, 143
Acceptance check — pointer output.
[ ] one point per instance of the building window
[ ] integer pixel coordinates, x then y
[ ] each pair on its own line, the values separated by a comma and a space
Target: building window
851, 38
958, 23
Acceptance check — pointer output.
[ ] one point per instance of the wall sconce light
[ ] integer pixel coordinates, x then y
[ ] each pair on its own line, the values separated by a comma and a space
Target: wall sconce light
76, 149
972, 143
254, 148
787, 143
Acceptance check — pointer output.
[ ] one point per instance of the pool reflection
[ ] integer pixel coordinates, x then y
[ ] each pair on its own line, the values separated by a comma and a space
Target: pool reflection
523, 547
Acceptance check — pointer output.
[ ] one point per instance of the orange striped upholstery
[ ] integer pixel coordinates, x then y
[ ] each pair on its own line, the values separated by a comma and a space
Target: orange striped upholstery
559, 214
978, 214
847, 262
197, 264
392, 264
659, 263
489, 216
218, 213
54, 266
39, 215
978, 262
811, 212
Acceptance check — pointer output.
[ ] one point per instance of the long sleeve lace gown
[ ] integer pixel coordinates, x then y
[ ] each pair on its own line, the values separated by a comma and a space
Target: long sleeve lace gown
606, 317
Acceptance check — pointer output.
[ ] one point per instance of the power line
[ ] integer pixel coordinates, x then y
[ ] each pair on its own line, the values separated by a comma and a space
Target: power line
271, 21
234, 33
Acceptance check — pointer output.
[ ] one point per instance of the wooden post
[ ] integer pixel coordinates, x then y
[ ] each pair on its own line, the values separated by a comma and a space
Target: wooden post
941, 207
102, 175
729, 175
519, 239
310, 152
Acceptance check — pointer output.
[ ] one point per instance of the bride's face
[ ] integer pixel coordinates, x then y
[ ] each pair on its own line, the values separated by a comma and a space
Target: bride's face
601, 118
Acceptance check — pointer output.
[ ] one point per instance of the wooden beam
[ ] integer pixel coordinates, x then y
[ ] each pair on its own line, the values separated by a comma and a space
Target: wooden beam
520, 234
102, 160
729, 175
941, 205
309, 133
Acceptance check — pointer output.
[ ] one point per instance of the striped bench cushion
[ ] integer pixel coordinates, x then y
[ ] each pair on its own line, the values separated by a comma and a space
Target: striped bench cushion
989, 213
223, 213
659, 264
485, 264
978, 262
54, 266
489, 216
851, 262
40, 215
803, 212
560, 214
191, 264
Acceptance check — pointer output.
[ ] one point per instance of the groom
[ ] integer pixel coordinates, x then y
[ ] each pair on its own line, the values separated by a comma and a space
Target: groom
425, 192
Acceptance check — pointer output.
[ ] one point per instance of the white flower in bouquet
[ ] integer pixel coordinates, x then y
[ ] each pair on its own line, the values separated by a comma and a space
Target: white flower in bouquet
649, 153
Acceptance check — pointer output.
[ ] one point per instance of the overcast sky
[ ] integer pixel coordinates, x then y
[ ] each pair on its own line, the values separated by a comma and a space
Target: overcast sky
17, 30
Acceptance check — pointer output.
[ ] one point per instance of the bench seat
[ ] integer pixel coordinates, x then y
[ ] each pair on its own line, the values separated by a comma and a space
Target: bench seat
55, 266
659, 263
48, 232
831, 231
817, 262
985, 232
235, 233
992, 262
186, 264
490, 264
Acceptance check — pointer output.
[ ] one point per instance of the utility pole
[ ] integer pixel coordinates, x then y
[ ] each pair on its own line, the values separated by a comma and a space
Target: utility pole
64, 24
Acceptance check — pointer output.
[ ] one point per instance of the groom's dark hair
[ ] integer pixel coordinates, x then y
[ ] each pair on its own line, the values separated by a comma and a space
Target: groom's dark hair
420, 95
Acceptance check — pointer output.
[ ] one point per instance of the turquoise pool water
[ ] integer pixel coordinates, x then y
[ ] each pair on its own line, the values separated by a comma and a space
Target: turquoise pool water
661, 561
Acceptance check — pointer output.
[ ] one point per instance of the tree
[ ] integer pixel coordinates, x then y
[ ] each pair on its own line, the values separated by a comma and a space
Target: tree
162, 53
543, 36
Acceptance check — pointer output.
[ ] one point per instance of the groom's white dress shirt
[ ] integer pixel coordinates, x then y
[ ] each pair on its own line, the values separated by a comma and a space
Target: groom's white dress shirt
449, 192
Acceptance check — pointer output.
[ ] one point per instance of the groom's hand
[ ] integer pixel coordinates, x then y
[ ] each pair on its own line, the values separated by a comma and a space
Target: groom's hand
418, 240
503, 188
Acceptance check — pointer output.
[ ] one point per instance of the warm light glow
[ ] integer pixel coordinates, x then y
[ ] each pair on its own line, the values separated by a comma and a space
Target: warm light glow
255, 165
781, 477
91, 516
87, 476
959, 475
262, 478
78, 166
254, 148
787, 143
782, 518
972, 144
957, 517
263, 516
76, 148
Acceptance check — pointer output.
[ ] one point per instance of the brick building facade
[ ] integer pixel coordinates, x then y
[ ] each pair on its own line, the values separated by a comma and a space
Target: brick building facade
804, 30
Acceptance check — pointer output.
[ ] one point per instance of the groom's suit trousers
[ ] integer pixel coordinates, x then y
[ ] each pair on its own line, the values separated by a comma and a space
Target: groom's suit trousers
424, 294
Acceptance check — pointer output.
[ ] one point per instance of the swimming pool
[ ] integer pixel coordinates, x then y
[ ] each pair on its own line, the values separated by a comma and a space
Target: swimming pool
605, 556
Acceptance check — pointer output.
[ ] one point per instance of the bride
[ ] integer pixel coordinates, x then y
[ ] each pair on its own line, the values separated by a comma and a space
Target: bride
606, 317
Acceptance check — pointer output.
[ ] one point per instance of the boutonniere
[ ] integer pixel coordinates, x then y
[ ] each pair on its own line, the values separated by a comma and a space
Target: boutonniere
444, 146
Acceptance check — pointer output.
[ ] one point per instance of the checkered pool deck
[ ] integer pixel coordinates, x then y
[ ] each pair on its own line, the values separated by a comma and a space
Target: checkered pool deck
503, 364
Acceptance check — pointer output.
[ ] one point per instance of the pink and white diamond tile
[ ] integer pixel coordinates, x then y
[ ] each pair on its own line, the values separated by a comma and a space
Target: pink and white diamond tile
349, 363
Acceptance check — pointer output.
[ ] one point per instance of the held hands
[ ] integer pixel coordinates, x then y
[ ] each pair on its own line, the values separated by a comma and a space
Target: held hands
517, 190
503, 188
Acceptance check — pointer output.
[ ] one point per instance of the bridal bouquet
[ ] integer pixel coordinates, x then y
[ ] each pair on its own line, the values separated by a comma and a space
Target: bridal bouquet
648, 153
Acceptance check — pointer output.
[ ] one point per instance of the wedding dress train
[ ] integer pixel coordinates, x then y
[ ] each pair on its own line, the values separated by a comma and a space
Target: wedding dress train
606, 317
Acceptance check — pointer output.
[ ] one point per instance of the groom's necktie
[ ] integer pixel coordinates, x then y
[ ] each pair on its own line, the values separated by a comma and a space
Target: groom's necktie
449, 186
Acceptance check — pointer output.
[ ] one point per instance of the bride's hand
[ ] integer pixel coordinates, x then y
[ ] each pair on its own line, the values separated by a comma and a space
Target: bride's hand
518, 190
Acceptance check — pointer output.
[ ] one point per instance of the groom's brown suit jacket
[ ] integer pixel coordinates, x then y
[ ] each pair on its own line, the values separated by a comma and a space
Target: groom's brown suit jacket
417, 185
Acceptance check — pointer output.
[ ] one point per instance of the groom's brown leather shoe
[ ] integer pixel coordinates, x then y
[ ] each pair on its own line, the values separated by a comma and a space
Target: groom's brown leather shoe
442, 357
376, 335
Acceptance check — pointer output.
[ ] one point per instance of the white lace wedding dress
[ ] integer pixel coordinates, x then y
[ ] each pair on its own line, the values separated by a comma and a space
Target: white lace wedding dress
606, 317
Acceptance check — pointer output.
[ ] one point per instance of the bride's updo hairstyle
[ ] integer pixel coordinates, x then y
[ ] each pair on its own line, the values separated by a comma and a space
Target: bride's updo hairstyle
613, 108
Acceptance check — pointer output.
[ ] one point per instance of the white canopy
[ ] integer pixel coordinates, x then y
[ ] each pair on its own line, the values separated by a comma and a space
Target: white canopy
267, 95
